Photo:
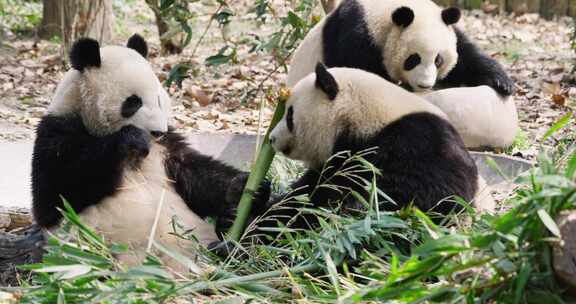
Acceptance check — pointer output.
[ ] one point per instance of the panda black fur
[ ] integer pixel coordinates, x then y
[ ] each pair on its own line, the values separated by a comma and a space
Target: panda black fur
412, 41
420, 156
106, 147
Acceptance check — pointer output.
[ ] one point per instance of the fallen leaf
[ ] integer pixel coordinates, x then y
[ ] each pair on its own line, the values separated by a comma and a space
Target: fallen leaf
550, 88
559, 100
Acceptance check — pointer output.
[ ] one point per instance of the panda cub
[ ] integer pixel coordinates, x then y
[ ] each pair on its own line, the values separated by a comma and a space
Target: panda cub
410, 41
420, 156
105, 146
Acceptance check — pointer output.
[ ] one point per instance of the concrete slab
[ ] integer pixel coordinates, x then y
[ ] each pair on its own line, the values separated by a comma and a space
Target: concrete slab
236, 150
15, 163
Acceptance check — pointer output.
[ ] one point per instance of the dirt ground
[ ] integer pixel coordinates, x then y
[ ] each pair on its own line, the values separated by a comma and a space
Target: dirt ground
226, 98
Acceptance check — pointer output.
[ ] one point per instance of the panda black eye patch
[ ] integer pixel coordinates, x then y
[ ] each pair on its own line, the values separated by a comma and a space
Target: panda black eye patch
131, 105
411, 62
439, 61
290, 119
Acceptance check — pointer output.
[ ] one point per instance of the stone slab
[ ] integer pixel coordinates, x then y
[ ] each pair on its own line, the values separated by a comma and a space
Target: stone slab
236, 150
15, 164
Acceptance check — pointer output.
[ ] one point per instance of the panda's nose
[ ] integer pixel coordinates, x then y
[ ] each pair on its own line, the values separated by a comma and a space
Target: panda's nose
272, 140
157, 134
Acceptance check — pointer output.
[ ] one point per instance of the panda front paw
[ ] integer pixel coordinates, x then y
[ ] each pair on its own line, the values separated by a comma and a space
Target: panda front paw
261, 196
134, 142
502, 84
227, 213
236, 188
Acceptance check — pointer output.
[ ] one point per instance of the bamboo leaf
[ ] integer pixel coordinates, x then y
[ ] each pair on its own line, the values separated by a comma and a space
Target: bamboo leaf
549, 222
66, 271
571, 166
561, 123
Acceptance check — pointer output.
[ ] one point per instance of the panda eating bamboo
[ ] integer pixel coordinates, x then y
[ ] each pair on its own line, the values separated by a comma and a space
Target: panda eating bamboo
420, 157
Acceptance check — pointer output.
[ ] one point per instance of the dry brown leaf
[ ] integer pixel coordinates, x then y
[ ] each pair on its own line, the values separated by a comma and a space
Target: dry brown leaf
201, 96
550, 88
559, 100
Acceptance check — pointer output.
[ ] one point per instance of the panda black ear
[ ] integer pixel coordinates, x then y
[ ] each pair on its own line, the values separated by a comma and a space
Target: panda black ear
137, 43
451, 15
85, 53
325, 81
403, 16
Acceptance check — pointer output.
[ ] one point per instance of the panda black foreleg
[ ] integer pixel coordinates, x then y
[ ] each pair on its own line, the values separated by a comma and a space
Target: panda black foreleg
208, 186
82, 168
233, 195
474, 68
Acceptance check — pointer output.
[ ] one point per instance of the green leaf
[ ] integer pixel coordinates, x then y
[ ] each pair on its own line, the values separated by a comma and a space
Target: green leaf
66, 271
332, 272
178, 257
558, 125
571, 167
432, 228
453, 243
177, 74
223, 16
61, 297
521, 281
554, 181
165, 4
294, 20
188, 30
148, 271
217, 59
549, 222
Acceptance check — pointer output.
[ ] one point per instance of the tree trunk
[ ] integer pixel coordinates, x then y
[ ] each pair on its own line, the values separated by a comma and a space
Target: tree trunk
502, 7
167, 43
50, 25
86, 18
72, 19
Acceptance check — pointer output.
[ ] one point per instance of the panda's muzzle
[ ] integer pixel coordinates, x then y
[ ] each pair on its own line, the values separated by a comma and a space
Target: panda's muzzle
285, 149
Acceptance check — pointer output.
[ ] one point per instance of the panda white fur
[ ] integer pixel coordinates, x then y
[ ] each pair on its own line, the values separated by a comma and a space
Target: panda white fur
420, 156
483, 118
409, 41
106, 147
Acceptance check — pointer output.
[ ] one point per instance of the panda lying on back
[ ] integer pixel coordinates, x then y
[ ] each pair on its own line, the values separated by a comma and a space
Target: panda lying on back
412, 41
106, 147
420, 156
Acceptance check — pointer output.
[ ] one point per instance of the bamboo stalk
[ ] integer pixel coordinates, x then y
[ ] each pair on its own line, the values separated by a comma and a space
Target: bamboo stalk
258, 172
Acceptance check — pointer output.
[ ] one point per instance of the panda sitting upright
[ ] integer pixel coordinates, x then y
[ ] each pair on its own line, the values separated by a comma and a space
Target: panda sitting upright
105, 146
419, 155
412, 41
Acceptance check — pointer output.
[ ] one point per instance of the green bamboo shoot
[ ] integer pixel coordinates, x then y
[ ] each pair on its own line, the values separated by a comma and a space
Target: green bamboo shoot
258, 172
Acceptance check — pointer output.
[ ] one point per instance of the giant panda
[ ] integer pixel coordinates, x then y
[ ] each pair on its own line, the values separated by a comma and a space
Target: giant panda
106, 147
410, 41
419, 155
